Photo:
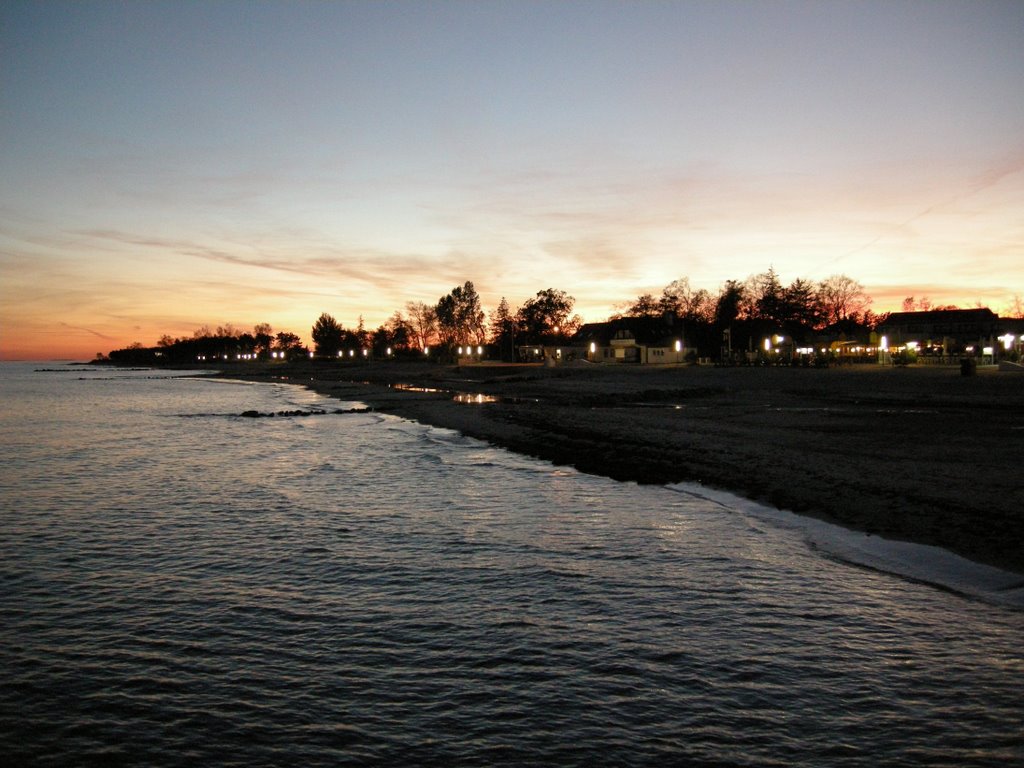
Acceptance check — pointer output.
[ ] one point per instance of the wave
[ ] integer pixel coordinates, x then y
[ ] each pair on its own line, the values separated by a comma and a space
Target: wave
921, 563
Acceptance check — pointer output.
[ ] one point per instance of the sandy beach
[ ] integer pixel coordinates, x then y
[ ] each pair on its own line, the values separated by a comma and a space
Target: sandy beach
918, 454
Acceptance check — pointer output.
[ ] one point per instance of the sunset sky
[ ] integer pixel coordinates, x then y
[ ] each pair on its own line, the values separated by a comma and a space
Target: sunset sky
169, 165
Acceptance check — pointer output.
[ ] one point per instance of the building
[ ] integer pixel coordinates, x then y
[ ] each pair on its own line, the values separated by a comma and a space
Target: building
633, 340
942, 332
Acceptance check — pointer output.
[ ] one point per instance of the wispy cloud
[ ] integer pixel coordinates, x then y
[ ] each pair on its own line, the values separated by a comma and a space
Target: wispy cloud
90, 331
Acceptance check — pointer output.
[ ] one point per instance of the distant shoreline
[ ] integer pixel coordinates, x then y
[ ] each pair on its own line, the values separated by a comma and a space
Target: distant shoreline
921, 454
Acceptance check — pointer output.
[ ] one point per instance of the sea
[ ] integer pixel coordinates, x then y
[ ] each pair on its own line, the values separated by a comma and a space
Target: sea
181, 584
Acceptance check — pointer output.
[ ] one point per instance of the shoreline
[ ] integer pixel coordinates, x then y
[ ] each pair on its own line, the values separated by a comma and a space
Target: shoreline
921, 455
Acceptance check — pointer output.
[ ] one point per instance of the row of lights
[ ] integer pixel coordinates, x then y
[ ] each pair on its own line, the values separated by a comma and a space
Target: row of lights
239, 356
283, 355
389, 352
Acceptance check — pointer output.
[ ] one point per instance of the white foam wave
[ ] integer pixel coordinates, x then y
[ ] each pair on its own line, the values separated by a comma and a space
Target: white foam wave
919, 562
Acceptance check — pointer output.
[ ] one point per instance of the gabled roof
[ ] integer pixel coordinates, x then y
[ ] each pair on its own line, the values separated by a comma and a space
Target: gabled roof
649, 331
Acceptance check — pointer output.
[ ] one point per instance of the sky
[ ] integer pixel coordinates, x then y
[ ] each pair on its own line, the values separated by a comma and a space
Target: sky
169, 165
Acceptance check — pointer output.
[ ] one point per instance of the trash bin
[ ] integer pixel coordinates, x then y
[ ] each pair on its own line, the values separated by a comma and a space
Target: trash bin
968, 366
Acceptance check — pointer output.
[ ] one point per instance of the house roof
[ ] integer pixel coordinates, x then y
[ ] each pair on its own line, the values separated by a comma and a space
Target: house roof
649, 331
978, 315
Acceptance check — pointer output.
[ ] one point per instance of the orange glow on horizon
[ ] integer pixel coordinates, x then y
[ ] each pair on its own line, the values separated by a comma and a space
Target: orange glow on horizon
82, 339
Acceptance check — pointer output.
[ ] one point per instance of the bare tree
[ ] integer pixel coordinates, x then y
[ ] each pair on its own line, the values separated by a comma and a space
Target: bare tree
680, 298
1015, 307
423, 322
842, 297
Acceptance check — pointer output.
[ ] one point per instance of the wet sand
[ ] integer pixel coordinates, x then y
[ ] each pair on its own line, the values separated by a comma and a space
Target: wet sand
920, 454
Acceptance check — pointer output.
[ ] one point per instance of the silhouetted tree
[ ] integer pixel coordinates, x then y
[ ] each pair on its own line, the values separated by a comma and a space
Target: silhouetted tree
263, 336
547, 318
327, 336
288, 343
679, 298
501, 321
730, 304
645, 306
460, 318
503, 330
423, 322
841, 297
924, 304
767, 297
400, 332
801, 309
1015, 308
360, 337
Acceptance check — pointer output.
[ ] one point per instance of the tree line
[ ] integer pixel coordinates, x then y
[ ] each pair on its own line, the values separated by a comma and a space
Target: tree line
456, 320
744, 310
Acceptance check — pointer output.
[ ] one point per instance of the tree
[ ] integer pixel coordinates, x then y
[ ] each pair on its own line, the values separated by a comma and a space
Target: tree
263, 335
327, 336
924, 304
645, 306
686, 303
360, 337
801, 306
768, 300
842, 297
1016, 307
501, 322
730, 303
288, 344
423, 322
547, 317
503, 330
400, 331
460, 318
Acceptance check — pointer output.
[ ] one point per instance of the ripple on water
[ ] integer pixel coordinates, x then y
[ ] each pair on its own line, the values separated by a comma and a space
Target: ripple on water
365, 591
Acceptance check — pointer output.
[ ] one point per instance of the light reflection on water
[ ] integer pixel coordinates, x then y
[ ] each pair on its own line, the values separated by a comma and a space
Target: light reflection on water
352, 589
477, 399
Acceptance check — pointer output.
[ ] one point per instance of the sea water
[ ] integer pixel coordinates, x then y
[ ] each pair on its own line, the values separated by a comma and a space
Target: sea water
181, 585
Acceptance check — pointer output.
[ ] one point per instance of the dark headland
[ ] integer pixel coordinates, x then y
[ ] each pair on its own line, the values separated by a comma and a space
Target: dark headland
920, 454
